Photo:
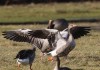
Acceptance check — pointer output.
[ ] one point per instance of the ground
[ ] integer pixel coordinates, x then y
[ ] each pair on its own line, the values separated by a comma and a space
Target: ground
85, 56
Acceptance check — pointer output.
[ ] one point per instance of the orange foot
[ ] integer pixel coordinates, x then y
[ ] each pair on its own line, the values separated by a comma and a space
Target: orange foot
50, 58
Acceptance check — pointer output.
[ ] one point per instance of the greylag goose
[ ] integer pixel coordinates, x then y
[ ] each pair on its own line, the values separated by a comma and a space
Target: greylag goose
62, 45
39, 39
25, 57
63, 42
59, 24
46, 42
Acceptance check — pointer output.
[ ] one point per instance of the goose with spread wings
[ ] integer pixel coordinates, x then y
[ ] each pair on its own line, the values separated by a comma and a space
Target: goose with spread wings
39, 38
63, 46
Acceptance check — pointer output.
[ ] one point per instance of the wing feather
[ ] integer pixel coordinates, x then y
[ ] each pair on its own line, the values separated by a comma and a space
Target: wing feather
39, 33
17, 35
79, 31
24, 35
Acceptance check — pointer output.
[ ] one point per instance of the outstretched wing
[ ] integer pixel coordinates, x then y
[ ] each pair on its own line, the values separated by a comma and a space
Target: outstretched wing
43, 33
79, 31
25, 35
20, 35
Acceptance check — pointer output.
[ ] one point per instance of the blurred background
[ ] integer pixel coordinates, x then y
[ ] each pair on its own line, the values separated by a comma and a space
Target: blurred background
43, 10
8, 2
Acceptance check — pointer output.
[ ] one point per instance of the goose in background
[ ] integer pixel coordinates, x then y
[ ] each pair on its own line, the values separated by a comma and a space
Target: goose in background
59, 24
25, 57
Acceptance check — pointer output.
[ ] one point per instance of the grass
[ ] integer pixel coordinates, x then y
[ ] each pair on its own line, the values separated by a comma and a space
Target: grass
85, 56
40, 12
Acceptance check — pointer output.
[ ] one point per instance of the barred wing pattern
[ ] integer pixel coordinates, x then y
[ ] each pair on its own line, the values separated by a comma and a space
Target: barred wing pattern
39, 33
79, 31
25, 35
20, 35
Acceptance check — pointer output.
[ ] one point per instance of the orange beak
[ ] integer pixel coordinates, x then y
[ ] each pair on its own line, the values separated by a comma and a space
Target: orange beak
50, 59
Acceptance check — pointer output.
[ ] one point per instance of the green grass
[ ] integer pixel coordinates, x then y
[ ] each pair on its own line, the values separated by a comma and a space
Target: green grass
85, 56
40, 12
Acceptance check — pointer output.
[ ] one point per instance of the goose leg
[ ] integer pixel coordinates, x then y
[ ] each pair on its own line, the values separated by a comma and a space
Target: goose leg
57, 67
18, 66
41, 55
52, 58
30, 66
